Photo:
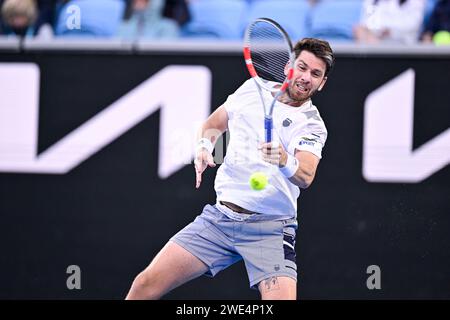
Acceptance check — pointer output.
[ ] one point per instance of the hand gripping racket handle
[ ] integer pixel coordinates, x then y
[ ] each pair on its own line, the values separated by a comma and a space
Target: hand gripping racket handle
268, 128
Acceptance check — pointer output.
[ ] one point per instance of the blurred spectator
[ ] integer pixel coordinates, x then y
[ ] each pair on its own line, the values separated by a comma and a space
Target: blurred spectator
144, 19
19, 16
438, 21
390, 21
177, 10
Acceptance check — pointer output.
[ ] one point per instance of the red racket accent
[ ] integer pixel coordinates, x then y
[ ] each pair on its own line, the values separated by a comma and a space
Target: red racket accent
290, 74
251, 70
288, 80
247, 55
248, 62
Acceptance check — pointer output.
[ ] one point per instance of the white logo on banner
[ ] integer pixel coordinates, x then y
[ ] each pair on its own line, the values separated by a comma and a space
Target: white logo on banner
181, 112
74, 19
388, 154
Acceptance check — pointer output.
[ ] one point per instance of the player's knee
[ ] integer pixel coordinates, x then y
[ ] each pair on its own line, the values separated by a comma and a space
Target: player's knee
147, 283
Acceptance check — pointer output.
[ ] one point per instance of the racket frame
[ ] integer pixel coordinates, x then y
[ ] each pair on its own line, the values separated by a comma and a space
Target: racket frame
262, 84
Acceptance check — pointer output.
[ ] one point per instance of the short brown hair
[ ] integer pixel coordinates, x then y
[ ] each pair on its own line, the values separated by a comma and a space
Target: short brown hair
320, 48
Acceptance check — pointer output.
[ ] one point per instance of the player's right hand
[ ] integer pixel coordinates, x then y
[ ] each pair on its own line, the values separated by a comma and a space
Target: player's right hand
203, 159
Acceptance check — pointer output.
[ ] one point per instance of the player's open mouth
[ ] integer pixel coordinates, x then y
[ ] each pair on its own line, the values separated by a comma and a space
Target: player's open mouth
301, 88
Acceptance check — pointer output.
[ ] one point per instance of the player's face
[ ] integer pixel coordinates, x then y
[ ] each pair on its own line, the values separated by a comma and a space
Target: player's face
309, 76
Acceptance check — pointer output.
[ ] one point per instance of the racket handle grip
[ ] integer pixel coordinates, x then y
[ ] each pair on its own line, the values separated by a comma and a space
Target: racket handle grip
268, 128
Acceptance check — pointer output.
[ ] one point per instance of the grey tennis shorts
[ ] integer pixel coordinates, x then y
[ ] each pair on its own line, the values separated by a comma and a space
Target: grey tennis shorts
267, 247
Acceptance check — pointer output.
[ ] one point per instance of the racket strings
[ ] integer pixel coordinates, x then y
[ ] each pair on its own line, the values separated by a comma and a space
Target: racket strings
270, 51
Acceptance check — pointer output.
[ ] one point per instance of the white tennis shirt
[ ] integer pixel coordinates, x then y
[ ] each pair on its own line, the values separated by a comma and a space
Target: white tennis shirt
299, 128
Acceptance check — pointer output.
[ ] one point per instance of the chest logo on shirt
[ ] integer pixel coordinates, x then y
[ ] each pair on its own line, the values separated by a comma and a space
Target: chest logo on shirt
287, 122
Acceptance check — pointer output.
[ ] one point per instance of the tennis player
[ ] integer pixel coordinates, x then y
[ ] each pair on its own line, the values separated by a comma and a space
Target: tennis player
258, 227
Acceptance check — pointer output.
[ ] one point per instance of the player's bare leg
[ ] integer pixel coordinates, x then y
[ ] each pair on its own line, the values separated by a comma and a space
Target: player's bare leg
278, 288
171, 267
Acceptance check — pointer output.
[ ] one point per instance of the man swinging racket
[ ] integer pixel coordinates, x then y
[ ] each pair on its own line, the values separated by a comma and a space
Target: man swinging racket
283, 143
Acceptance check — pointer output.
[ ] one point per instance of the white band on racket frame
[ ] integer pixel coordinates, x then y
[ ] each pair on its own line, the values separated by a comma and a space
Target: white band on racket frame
291, 166
205, 143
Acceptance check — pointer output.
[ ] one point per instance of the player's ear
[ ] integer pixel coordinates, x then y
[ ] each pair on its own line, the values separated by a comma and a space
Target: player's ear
322, 84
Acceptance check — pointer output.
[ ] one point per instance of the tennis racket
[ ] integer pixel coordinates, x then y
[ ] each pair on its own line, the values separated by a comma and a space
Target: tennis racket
270, 61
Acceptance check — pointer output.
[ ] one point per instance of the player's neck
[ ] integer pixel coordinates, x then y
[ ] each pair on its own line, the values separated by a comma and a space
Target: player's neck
286, 99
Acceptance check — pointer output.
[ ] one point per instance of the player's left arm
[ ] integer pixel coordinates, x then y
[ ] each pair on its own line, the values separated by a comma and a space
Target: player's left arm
306, 171
299, 157
299, 169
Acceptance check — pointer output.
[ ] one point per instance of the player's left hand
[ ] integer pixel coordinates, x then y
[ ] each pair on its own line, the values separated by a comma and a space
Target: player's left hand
273, 152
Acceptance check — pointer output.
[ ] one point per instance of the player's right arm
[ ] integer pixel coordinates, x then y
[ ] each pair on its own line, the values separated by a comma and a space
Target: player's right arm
211, 130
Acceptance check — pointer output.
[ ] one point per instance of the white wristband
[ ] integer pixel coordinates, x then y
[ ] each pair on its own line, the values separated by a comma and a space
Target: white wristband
291, 166
205, 143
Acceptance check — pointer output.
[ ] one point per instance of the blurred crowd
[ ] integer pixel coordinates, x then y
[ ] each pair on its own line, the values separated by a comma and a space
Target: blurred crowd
365, 21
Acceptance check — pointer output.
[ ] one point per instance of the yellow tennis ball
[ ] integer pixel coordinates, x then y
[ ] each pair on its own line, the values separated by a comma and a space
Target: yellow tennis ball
258, 181
441, 38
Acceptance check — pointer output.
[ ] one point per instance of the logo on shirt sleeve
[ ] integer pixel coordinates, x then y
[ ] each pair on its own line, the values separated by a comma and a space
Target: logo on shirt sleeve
287, 122
309, 141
